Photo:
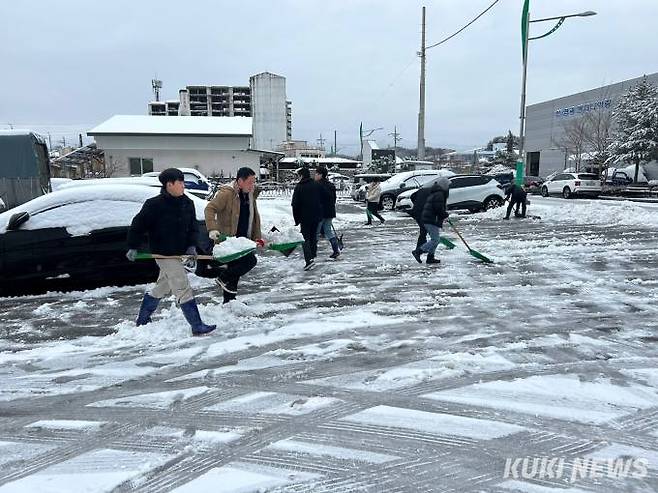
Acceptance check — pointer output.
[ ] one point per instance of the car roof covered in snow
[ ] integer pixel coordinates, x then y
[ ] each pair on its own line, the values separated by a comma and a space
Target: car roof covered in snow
174, 125
103, 193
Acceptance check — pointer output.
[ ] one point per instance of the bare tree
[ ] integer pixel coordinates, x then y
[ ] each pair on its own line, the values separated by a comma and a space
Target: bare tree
110, 167
598, 125
574, 138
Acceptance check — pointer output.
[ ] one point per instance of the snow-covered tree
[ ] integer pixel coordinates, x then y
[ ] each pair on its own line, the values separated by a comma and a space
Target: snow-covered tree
636, 119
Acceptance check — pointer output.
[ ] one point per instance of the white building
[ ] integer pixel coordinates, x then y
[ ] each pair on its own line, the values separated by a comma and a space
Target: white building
264, 99
269, 110
136, 144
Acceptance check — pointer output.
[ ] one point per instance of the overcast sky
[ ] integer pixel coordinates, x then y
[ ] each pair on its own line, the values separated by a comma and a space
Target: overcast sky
70, 64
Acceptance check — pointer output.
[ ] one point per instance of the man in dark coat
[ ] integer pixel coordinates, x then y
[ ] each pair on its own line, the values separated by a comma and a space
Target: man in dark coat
517, 196
169, 221
307, 212
328, 200
419, 198
433, 214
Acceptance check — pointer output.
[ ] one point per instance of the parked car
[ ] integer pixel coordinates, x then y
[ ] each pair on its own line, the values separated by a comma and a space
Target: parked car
75, 238
533, 183
619, 179
407, 180
359, 181
570, 185
472, 192
194, 179
341, 182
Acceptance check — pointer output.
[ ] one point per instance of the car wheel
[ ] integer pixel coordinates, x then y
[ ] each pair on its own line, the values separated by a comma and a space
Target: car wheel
388, 202
544, 192
492, 203
566, 193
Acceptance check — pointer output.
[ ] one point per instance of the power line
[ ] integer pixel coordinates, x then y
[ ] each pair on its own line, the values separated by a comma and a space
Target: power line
455, 34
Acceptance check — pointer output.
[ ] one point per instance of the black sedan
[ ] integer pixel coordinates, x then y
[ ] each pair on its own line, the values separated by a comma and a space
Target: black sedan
75, 239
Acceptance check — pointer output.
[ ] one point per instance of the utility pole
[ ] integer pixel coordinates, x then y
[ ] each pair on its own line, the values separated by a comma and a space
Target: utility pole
80, 137
321, 141
421, 111
396, 137
50, 143
335, 145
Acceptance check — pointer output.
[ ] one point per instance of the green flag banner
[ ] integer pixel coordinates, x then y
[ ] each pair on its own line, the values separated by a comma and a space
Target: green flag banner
524, 28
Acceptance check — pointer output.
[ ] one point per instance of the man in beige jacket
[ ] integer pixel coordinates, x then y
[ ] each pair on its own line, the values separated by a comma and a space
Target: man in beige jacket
233, 212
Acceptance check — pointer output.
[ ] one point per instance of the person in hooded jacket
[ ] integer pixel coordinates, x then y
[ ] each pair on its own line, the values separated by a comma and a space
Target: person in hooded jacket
169, 221
433, 214
373, 195
307, 212
328, 209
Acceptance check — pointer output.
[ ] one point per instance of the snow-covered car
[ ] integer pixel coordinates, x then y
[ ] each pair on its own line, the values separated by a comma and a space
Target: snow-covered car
361, 180
407, 180
75, 237
144, 180
472, 192
194, 179
570, 185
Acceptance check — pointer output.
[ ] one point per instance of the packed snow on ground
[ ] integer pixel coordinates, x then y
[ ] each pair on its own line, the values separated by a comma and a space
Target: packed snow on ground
343, 453
66, 424
579, 212
437, 423
557, 396
241, 477
98, 470
231, 246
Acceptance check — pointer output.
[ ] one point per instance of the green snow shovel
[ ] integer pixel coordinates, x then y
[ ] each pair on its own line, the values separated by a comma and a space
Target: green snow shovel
222, 260
285, 248
447, 243
474, 253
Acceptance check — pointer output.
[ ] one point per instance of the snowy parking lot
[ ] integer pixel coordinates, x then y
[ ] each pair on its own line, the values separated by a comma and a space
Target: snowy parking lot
369, 373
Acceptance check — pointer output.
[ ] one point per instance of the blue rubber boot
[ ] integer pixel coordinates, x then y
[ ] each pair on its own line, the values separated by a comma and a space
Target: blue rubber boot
149, 304
191, 312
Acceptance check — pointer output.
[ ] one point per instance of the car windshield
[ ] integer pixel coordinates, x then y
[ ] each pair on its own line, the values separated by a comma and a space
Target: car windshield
588, 177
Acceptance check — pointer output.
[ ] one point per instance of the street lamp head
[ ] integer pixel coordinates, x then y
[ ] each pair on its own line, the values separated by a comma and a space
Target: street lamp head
587, 14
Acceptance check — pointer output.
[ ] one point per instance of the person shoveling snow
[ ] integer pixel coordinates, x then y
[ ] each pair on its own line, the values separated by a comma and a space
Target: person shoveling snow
169, 221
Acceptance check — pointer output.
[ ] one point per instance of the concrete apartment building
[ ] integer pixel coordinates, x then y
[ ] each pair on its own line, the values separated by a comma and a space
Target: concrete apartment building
546, 122
264, 100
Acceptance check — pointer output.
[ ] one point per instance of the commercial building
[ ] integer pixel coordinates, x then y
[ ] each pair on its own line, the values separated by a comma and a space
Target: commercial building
548, 122
136, 144
264, 100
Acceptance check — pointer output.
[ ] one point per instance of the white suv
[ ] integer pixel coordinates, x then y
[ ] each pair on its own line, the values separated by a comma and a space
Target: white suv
571, 184
407, 180
472, 192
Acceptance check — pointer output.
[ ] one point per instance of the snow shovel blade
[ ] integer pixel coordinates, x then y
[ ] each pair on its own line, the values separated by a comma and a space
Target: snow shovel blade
234, 256
474, 253
447, 243
479, 256
285, 248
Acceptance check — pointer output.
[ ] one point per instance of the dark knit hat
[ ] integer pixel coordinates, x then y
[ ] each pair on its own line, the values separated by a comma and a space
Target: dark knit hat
171, 175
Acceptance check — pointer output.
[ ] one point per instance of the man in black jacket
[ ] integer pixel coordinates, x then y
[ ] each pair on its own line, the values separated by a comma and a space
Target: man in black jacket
169, 221
328, 200
433, 214
307, 212
419, 198
517, 196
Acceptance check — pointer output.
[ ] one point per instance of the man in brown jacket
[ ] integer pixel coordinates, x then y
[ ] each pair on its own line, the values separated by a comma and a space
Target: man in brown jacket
233, 212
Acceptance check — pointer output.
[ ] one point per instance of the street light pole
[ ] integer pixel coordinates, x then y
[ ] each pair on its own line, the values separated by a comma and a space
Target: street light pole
525, 28
520, 164
421, 110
